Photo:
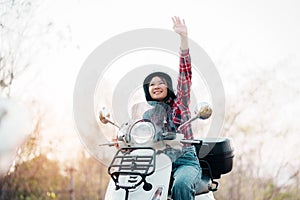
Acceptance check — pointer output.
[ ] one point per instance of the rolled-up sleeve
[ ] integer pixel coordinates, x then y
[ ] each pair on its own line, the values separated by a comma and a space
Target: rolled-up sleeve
184, 78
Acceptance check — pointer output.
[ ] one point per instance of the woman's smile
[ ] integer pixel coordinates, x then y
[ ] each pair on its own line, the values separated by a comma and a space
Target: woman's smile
158, 88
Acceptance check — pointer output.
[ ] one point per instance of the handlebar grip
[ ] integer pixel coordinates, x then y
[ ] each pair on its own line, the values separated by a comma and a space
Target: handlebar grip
187, 141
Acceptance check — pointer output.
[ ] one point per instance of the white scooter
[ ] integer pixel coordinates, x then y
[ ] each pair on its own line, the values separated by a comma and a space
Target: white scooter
140, 170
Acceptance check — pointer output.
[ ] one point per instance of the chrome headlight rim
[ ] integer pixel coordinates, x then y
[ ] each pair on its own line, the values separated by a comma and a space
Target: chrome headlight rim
151, 136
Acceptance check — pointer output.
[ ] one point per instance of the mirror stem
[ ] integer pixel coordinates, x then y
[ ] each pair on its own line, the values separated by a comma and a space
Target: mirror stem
185, 123
113, 123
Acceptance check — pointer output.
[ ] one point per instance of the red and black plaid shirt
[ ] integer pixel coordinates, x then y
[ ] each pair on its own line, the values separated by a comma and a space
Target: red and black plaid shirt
180, 107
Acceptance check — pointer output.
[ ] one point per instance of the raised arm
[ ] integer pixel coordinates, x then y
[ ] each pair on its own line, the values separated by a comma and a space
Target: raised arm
185, 71
181, 110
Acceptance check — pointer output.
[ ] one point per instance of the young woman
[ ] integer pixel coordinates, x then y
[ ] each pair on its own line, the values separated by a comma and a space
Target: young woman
186, 171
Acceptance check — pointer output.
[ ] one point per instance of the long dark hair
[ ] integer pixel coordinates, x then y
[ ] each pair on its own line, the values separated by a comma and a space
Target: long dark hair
170, 94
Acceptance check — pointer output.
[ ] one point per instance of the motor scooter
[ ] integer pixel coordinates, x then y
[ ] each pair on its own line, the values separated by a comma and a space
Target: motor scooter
141, 170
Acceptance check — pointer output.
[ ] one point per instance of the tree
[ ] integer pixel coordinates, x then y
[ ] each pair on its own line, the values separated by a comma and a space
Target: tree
16, 35
19, 31
38, 178
91, 178
263, 135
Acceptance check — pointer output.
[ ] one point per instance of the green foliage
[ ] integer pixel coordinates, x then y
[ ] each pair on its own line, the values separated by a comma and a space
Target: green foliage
38, 178
41, 178
239, 184
90, 177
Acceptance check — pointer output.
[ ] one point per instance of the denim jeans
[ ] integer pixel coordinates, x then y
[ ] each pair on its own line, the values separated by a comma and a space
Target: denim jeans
186, 175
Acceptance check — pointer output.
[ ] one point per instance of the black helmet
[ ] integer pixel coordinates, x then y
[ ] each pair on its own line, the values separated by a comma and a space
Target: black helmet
169, 85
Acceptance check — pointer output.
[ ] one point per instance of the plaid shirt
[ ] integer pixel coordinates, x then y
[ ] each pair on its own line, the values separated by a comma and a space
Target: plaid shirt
174, 112
181, 112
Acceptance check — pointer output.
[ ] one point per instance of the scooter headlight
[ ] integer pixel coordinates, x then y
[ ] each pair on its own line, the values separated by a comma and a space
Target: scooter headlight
142, 131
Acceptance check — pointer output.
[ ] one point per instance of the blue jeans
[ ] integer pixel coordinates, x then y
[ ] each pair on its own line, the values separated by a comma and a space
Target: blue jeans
186, 175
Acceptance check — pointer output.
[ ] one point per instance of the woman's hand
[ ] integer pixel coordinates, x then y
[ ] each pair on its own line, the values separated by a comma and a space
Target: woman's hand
179, 26
115, 140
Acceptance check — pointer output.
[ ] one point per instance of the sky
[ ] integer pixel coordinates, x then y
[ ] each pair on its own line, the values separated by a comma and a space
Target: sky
242, 37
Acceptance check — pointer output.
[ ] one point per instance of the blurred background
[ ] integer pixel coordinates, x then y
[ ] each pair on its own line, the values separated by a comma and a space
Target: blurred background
254, 44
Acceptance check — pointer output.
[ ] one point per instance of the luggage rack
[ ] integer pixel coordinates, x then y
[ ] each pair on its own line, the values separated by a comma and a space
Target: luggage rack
132, 161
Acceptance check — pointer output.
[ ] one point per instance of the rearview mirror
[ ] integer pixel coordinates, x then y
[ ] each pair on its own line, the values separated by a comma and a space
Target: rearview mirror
203, 110
104, 115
